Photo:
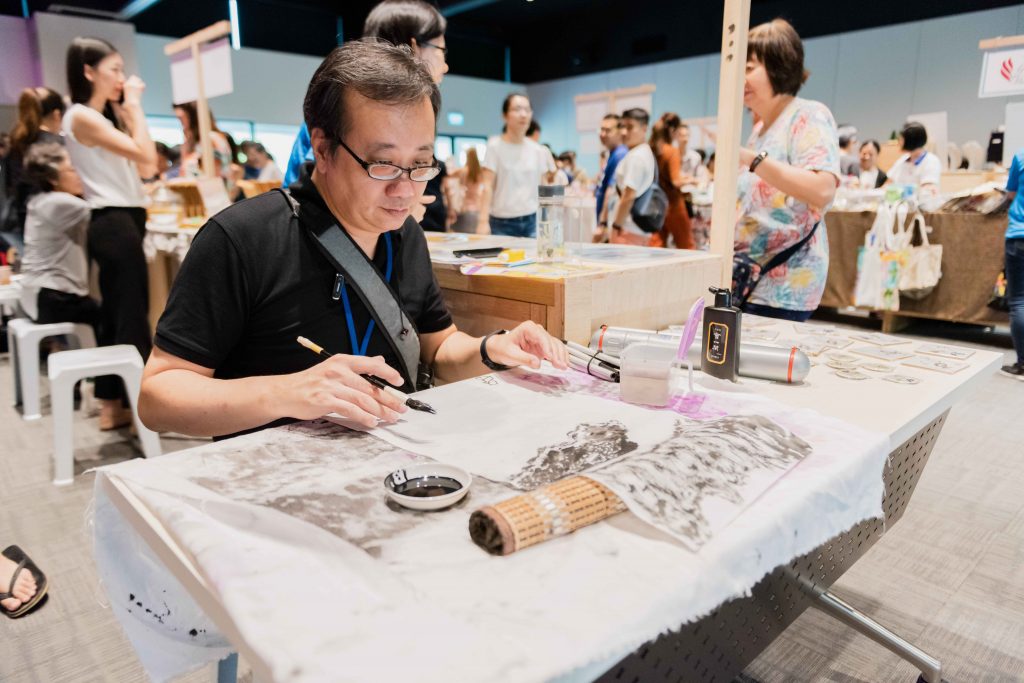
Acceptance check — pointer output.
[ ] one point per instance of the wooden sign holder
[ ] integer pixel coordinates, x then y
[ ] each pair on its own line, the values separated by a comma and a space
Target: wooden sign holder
193, 42
735, 24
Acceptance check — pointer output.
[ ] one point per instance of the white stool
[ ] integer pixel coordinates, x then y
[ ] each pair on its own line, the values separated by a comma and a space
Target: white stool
67, 367
23, 337
10, 299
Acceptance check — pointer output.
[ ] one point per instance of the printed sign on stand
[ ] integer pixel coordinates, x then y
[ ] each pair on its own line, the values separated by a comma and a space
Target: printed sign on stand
1002, 73
216, 61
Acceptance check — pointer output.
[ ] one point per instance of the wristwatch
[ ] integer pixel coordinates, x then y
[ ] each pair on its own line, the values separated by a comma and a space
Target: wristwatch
758, 159
487, 359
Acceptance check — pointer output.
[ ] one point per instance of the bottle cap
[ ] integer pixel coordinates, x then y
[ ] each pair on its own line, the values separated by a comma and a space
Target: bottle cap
723, 297
551, 191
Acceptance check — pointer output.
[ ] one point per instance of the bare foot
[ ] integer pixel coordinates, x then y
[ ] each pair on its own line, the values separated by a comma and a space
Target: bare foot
24, 587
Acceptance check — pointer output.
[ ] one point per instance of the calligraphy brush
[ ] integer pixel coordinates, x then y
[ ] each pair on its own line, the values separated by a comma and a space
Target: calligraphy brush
411, 402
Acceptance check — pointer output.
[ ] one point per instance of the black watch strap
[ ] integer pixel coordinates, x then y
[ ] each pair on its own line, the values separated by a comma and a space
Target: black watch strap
758, 159
487, 359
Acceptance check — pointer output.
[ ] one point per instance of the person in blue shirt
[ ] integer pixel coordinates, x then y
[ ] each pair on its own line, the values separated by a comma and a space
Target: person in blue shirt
415, 23
611, 138
1015, 263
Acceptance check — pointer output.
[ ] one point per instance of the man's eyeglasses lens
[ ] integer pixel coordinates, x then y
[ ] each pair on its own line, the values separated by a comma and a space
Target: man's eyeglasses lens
389, 172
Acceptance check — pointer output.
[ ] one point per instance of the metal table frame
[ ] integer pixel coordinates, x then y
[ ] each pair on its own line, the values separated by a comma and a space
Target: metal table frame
719, 646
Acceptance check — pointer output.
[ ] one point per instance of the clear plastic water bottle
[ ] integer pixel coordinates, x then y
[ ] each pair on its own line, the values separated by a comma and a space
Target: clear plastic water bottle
550, 225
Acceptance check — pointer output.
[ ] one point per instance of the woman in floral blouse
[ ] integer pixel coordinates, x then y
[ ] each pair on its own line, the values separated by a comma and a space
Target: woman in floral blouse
791, 171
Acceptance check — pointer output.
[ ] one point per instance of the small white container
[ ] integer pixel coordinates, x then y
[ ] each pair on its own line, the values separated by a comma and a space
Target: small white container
423, 482
646, 374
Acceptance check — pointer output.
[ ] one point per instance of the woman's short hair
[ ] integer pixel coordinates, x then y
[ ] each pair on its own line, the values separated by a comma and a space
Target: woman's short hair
915, 136
777, 45
42, 165
378, 71
400, 21
872, 143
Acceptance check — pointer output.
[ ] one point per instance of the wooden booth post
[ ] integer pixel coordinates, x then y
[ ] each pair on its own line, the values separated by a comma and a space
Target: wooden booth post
194, 42
735, 23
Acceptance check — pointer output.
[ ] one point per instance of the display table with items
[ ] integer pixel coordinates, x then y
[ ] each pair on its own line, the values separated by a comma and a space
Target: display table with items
594, 284
972, 259
574, 528
165, 247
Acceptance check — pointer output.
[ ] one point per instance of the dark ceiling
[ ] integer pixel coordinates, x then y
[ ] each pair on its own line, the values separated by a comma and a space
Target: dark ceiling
545, 39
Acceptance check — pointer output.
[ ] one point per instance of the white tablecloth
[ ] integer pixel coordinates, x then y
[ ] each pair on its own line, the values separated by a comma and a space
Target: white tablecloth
326, 581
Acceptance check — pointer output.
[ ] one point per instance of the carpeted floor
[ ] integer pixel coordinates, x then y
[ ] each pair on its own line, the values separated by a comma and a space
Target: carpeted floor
949, 577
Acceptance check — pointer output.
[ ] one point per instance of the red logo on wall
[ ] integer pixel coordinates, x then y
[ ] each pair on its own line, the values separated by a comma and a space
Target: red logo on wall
1011, 73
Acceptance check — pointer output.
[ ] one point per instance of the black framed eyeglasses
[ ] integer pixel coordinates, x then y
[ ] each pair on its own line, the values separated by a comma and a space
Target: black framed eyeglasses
382, 170
437, 47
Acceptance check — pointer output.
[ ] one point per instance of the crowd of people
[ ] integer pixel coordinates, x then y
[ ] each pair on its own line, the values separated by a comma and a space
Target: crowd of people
224, 361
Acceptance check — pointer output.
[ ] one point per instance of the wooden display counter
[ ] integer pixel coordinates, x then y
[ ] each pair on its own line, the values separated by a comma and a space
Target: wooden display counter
600, 284
972, 257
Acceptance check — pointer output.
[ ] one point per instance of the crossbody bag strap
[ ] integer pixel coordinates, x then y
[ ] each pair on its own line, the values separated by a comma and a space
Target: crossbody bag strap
780, 258
379, 299
788, 252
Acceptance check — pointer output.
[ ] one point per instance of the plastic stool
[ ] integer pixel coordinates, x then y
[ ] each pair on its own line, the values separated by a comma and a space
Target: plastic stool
10, 300
67, 367
23, 337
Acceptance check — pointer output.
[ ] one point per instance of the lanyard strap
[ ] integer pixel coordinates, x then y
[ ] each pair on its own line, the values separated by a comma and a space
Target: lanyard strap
357, 348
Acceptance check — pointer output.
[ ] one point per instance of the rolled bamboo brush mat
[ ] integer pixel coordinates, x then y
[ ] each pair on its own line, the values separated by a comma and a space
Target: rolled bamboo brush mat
531, 518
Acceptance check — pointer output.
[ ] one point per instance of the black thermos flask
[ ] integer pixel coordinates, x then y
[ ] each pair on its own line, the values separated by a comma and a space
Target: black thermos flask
721, 338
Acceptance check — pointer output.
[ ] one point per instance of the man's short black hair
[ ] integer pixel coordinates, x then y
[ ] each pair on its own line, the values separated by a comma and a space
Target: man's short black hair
376, 70
637, 114
777, 45
610, 116
915, 136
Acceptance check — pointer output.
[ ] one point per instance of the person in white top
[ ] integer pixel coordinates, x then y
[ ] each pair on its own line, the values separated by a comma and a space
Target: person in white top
633, 176
260, 158
917, 166
870, 176
690, 161
110, 147
514, 166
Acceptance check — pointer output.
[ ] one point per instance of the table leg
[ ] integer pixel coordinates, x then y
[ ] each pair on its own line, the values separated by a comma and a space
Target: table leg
893, 322
227, 669
931, 668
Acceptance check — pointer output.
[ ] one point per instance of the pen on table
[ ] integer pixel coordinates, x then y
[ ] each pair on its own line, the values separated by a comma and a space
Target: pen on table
411, 402
590, 360
593, 369
590, 353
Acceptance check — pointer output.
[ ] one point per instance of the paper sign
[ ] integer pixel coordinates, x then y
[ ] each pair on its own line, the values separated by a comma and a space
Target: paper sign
949, 367
589, 114
883, 353
214, 194
954, 352
216, 61
1002, 73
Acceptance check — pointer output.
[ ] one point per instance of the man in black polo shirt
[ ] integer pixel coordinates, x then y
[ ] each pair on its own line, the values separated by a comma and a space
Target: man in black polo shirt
225, 357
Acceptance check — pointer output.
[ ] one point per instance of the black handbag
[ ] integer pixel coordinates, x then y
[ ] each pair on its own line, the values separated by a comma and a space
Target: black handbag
649, 209
748, 273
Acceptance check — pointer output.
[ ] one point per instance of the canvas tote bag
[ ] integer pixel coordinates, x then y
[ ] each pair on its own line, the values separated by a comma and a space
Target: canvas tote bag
922, 265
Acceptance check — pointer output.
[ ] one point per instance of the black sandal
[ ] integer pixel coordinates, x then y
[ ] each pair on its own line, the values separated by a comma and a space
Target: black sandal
15, 554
